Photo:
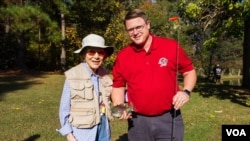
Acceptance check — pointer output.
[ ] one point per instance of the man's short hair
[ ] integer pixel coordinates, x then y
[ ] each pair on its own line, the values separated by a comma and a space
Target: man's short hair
135, 13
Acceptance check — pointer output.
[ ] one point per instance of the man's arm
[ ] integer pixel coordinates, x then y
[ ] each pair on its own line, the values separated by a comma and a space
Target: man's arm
117, 95
189, 80
181, 97
118, 98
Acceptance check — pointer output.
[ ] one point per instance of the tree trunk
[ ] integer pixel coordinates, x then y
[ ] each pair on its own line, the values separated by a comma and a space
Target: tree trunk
246, 55
63, 52
210, 66
21, 50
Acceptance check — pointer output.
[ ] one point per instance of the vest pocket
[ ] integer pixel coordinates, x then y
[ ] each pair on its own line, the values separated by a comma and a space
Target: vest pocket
82, 118
82, 88
89, 90
77, 88
107, 86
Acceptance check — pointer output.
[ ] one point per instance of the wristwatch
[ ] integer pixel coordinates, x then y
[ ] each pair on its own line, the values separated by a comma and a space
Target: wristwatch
187, 92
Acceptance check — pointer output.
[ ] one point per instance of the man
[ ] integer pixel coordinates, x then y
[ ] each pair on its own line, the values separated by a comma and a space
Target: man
217, 73
84, 109
148, 69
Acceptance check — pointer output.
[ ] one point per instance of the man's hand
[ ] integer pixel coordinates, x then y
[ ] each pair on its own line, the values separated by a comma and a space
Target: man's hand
125, 115
180, 99
122, 111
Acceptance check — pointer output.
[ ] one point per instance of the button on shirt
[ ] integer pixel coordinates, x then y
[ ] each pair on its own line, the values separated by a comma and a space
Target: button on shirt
81, 134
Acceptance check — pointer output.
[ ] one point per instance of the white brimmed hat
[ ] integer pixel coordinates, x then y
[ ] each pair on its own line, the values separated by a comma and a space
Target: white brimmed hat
93, 40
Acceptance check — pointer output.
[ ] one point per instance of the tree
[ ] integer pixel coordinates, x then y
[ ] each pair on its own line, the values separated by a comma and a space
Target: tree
24, 23
220, 20
246, 47
57, 10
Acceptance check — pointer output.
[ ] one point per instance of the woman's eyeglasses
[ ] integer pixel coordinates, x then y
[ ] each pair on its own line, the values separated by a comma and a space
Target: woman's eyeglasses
92, 52
137, 28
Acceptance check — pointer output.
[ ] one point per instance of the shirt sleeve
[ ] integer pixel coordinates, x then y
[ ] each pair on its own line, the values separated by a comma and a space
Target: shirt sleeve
118, 80
64, 110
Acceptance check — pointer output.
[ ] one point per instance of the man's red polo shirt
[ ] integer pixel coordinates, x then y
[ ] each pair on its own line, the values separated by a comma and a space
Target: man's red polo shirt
151, 76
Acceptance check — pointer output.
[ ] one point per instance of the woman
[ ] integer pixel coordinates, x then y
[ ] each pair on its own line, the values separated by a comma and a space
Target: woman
84, 109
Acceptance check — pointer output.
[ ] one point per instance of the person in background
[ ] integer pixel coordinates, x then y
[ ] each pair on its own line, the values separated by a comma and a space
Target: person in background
85, 102
148, 68
217, 73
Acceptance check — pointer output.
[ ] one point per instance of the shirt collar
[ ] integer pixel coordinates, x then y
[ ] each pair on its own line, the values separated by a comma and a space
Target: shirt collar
152, 46
90, 72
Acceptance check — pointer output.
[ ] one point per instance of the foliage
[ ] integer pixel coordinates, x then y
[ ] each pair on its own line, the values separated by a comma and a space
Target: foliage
29, 22
211, 24
72, 42
116, 31
193, 10
209, 31
160, 15
92, 16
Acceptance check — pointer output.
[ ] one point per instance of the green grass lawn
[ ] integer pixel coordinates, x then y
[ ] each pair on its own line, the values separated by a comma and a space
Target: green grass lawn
29, 109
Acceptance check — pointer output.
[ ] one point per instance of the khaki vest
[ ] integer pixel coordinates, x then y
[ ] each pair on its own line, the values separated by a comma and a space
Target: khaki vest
85, 107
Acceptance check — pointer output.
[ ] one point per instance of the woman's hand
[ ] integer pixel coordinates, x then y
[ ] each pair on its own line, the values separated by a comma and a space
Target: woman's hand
70, 137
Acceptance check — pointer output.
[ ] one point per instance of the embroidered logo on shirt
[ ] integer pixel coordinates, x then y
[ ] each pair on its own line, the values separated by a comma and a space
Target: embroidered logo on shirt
163, 62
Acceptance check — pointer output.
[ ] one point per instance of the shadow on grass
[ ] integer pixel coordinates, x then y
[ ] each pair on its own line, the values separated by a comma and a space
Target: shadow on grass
32, 138
17, 81
124, 137
236, 94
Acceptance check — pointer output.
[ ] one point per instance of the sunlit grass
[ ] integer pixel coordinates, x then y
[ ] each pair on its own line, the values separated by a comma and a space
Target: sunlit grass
29, 110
